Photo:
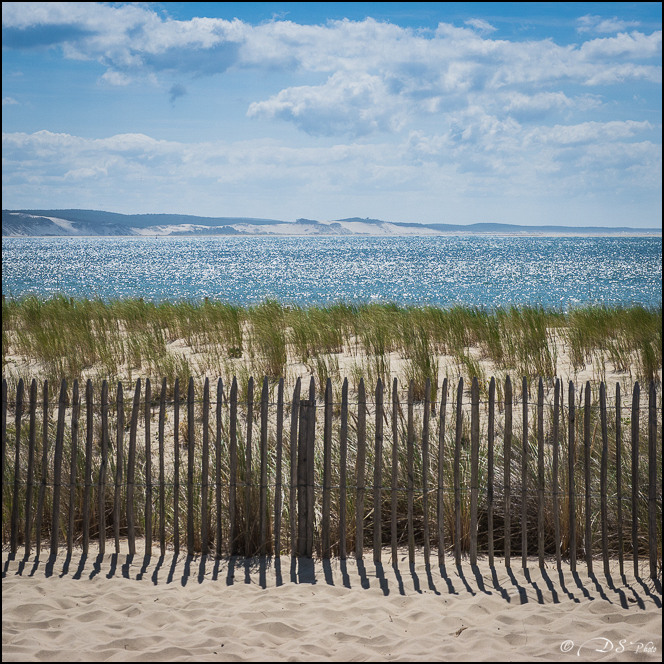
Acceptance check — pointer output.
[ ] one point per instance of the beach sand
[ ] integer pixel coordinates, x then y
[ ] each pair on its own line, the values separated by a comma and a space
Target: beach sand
113, 608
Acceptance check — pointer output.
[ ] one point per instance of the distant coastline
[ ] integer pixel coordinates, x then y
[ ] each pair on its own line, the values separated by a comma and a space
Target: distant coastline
97, 223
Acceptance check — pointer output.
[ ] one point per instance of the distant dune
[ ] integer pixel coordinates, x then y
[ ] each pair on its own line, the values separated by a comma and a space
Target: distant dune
72, 223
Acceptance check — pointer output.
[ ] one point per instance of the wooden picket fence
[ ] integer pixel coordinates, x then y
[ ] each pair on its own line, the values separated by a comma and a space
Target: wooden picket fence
69, 493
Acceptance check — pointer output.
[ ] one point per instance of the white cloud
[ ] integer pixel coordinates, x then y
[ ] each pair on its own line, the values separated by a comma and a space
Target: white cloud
9, 101
371, 76
480, 24
590, 23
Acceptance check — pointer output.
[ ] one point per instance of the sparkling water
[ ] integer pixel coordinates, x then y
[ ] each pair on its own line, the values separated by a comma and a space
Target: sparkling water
484, 271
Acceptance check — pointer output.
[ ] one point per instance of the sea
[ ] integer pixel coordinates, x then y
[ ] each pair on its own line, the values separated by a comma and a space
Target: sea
469, 270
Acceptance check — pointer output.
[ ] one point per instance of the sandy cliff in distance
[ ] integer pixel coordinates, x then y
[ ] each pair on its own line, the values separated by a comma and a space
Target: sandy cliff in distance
72, 223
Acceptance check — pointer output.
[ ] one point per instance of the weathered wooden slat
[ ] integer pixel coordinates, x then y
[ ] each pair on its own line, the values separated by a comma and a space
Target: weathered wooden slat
507, 472
652, 480
604, 506
131, 469
410, 451
103, 467
232, 489
311, 438
586, 468
327, 471
278, 479
636, 397
360, 470
555, 470
18, 414
262, 518
441, 476
30, 481
4, 435
343, 460
119, 463
524, 474
57, 467
378, 466
191, 448
395, 470
295, 416
619, 495
205, 471
217, 459
248, 472
302, 478
147, 415
75, 409
474, 461
425, 472
457, 479
162, 473
490, 470
571, 484
176, 466
540, 473
87, 490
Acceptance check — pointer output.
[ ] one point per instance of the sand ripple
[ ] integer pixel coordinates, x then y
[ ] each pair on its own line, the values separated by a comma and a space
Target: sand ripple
117, 609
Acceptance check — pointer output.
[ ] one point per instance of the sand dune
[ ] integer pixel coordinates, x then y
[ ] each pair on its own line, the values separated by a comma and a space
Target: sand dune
114, 608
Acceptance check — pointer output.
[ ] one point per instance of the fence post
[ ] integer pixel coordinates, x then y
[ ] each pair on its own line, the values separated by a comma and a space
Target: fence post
217, 459
278, 481
148, 468
603, 478
343, 453
490, 477
360, 470
57, 467
294, 444
540, 473
652, 480
101, 490
588, 503
619, 496
311, 437
425, 471
31, 460
556, 453
474, 460
635, 476
571, 458
248, 482
117, 497
507, 467
162, 473
232, 489
395, 468
410, 442
441, 477
131, 468
327, 471
190, 467
205, 470
176, 466
75, 402
378, 461
17, 467
457, 483
524, 474
262, 504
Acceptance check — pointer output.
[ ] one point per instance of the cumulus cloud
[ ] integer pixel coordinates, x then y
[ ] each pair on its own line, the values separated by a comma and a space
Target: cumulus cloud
363, 76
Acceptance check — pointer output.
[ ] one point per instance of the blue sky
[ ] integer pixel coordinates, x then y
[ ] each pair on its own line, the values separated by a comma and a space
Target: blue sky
526, 113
